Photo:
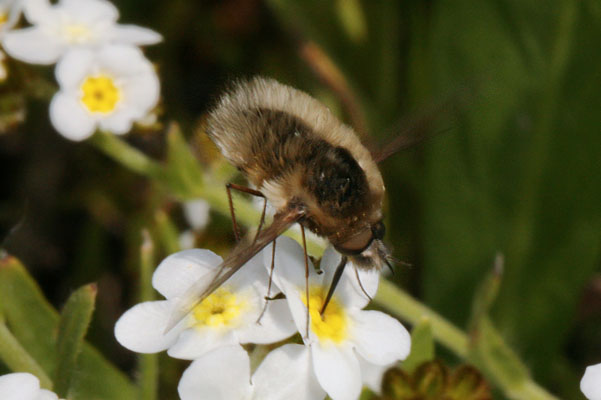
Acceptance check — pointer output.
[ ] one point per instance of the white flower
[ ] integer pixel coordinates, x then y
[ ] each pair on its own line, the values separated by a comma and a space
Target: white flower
227, 317
109, 88
224, 374
197, 213
23, 386
10, 11
591, 382
70, 24
345, 334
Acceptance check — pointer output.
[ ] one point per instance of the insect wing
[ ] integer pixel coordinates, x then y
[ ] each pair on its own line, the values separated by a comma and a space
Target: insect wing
203, 287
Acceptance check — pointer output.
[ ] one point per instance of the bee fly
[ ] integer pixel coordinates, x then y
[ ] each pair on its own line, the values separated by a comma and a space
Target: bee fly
312, 168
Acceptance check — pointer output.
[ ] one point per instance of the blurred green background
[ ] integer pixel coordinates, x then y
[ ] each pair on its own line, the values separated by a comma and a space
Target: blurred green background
517, 170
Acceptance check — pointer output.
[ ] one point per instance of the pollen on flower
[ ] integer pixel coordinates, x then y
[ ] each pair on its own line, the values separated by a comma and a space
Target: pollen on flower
76, 33
3, 17
99, 94
332, 325
221, 308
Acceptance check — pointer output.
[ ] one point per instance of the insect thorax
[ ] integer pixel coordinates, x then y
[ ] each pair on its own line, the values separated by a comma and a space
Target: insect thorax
289, 160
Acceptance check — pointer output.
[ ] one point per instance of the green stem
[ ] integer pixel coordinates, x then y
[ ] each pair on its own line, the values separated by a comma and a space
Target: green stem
127, 155
410, 310
18, 359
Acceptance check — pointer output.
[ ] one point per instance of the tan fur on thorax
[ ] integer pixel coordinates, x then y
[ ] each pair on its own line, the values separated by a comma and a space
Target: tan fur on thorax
270, 94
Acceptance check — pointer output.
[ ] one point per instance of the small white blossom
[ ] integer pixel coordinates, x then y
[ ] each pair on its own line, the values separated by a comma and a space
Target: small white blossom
591, 382
345, 336
224, 374
23, 386
108, 89
10, 11
197, 213
57, 28
227, 317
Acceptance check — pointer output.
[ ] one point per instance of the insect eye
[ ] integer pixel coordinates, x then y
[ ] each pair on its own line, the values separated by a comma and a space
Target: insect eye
378, 230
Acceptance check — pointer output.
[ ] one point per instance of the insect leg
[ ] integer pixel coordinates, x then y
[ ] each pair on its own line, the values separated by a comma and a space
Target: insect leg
243, 189
361, 284
267, 298
335, 280
306, 278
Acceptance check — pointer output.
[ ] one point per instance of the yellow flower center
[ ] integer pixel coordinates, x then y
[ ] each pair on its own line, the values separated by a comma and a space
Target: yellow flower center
220, 309
76, 33
99, 94
3, 18
332, 325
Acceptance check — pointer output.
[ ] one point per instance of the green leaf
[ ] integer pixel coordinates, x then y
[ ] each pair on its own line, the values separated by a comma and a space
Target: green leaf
487, 293
166, 232
422, 345
186, 176
17, 359
34, 323
490, 353
30, 317
73, 325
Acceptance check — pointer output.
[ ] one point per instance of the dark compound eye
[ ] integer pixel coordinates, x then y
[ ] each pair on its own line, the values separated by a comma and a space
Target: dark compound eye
378, 230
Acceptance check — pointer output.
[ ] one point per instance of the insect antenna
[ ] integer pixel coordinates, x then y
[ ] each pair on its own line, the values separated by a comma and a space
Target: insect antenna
335, 280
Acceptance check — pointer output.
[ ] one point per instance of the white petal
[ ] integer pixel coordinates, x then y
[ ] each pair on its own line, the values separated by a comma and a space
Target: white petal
195, 342
337, 370
177, 272
252, 273
222, 374
142, 327
89, 10
141, 92
46, 395
73, 68
33, 46
275, 325
289, 263
591, 382
372, 374
379, 338
124, 60
119, 122
287, 373
19, 386
132, 34
289, 276
38, 11
14, 13
69, 117
197, 213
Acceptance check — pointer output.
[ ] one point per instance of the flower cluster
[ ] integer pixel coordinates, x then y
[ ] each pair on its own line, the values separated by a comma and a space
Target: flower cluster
344, 348
105, 82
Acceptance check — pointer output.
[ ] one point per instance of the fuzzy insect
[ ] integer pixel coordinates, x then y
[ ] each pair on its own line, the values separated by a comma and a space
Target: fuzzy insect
310, 167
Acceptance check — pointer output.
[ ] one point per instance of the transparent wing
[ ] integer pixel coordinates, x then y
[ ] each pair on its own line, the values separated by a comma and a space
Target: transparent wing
421, 127
234, 261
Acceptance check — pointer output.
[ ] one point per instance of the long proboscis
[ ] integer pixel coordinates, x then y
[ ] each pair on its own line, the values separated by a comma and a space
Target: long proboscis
201, 289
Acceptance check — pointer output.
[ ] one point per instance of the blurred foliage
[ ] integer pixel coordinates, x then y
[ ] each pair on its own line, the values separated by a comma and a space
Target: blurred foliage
518, 173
